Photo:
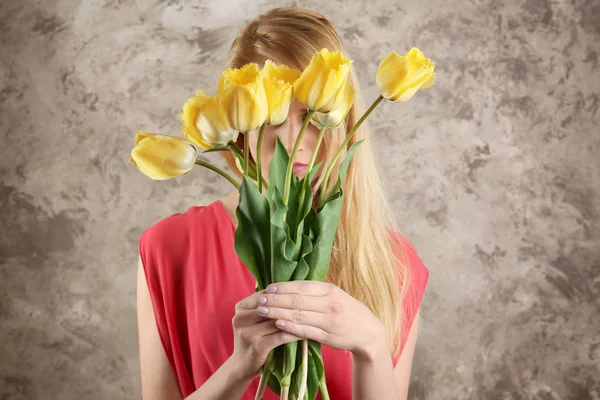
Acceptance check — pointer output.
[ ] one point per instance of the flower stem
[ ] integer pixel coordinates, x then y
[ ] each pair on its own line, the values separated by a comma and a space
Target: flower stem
285, 390
323, 389
219, 171
235, 148
288, 173
258, 158
307, 177
246, 153
264, 376
343, 146
302, 390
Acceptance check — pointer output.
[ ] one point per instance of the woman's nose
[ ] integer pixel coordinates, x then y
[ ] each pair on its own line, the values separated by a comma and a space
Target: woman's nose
288, 133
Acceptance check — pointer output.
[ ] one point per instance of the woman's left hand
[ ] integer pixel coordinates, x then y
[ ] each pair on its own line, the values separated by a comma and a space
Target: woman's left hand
324, 313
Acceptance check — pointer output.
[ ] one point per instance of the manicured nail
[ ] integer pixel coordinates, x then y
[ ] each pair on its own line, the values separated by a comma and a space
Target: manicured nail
262, 310
280, 324
262, 300
271, 289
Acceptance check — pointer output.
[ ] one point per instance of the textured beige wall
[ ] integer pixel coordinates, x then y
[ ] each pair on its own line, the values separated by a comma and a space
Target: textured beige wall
494, 172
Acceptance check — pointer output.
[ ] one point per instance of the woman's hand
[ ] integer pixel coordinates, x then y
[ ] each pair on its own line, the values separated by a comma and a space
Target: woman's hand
325, 313
254, 337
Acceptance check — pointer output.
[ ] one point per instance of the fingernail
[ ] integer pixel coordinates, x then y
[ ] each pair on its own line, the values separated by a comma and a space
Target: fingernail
271, 289
262, 310
262, 300
280, 324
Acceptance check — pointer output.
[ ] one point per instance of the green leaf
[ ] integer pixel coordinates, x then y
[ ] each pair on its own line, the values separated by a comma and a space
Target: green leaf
316, 368
314, 348
215, 149
277, 171
253, 233
284, 252
273, 384
285, 366
316, 371
278, 166
296, 375
292, 212
324, 226
308, 200
289, 363
314, 170
252, 167
278, 363
344, 165
302, 269
336, 191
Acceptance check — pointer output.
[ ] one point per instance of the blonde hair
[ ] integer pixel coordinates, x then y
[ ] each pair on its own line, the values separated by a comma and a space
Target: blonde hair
367, 260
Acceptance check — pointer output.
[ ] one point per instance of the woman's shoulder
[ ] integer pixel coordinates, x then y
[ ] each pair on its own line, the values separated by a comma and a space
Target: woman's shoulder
169, 227
418, 273
405, 248
174, 232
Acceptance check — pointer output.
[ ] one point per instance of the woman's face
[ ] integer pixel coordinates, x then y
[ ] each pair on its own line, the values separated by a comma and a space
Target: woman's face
287, 133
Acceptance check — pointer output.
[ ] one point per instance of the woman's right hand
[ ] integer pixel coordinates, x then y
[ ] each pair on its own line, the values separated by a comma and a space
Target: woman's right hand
254, 337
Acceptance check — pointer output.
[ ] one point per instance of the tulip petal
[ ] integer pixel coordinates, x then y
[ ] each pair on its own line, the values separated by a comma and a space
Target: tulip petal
429, 82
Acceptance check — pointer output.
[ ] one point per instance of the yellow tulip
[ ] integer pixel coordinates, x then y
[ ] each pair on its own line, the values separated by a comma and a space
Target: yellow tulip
278, 81
162, 157
320, 81
342, 104
204, 124
400, 77
242, 98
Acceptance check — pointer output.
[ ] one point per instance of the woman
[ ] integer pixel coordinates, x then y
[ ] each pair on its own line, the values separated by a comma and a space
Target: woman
204, 333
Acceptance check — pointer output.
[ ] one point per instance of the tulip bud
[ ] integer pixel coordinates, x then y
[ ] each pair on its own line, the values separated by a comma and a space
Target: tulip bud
162, 157
322, 79
342, 104
241, 96
204, 124
400, 77
278, 81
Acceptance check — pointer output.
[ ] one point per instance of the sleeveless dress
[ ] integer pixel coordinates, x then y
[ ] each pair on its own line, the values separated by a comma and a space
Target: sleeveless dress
195, 279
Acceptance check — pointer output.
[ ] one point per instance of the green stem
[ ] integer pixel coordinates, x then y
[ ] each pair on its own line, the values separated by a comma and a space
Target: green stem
264, 376
307, 177
246, 153
258, 158
304, 378
323, 389
285, 382
219, 171
235, 148
288, 173
285, 390
343, 146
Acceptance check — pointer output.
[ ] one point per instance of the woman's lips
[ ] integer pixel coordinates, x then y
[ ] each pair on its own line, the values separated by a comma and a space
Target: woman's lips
299, 167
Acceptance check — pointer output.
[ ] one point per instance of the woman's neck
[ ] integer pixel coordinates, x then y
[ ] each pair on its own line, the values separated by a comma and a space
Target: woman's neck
230, 202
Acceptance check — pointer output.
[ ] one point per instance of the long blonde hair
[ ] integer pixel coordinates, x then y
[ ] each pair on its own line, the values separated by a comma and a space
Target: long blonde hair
367, 259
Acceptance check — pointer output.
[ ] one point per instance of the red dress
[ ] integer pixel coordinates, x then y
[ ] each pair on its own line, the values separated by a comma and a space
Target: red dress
195, 279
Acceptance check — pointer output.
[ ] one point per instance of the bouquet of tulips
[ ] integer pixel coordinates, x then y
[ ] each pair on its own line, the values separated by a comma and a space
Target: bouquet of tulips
280, 236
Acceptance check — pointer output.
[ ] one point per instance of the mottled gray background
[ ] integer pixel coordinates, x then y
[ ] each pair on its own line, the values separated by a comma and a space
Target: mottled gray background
494, 173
